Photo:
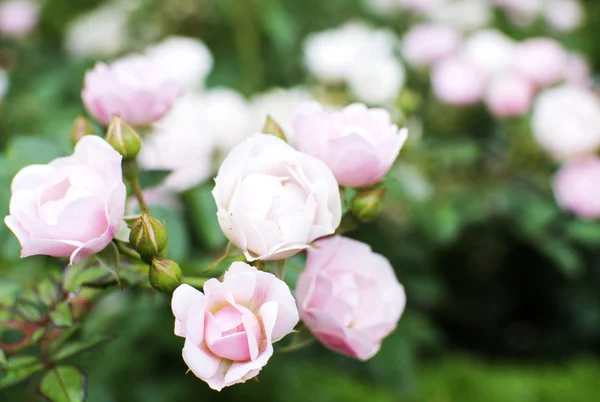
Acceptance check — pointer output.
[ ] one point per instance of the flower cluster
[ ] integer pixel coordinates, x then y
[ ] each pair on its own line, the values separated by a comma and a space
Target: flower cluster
273, 202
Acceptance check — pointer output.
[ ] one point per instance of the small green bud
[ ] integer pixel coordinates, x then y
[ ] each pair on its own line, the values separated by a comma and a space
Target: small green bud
123, 138
165, 275
148, 236
81, 127
366, 206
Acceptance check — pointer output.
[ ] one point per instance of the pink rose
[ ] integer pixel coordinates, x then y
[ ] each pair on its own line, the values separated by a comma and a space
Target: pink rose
509, 95
426, 44
273, 201
458, 82
71, 207
577, 187
229, 330
133, 87
358, 144
18, 17
541, 60
349, 296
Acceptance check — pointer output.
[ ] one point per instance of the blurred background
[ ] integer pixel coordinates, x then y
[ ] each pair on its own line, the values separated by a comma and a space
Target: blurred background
503, 284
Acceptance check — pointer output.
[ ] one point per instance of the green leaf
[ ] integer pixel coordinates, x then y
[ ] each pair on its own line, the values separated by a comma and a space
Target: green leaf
70, 349
82, 274
300, 339
64, 384
109, 260
272, 128
203, 213
152, 178
62, 316
19, 369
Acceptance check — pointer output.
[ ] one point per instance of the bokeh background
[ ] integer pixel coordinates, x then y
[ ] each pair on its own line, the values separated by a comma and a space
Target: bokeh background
503, 286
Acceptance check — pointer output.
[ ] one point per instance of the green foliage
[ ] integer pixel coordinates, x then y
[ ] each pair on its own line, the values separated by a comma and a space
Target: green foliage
64, 384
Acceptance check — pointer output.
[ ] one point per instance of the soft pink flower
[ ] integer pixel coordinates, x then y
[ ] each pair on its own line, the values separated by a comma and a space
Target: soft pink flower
229, 330
542, 60
349, 296
133, 87
18, 17
458, 82
564, 15
273, 201
71, 207
358, 144
577, 187
426, 44
509, 95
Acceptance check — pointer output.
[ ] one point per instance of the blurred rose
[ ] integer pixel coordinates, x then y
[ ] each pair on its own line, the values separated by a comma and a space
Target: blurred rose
564, 15
349, 296
99, 33
566, 121
458, 82
577, 71
377, 80
229, 330
272, 200
132, 87
358, 144
280, 104
420, 5
522, 12
426, 44
462, 14
180, 143
184, 60
577, 187
542, 60
509, 95
490, 50
18, 17
331, 56
50, 203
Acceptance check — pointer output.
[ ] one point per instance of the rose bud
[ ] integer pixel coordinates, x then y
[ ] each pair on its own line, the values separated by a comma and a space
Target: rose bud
273, 201
229, 330
349, 297
132, 87
123, 138
165, 275
148, 236
358, 144
71, 207
366, 206
577, 187
81, 127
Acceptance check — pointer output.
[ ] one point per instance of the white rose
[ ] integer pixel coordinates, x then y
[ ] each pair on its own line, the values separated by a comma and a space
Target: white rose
490, 50
377, 81
566, 121
273, 201
185, 60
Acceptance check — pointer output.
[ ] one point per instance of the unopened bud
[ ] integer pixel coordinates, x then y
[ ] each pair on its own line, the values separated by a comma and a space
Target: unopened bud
123, 138
148, 236
81, 127
165, 275
366, 206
